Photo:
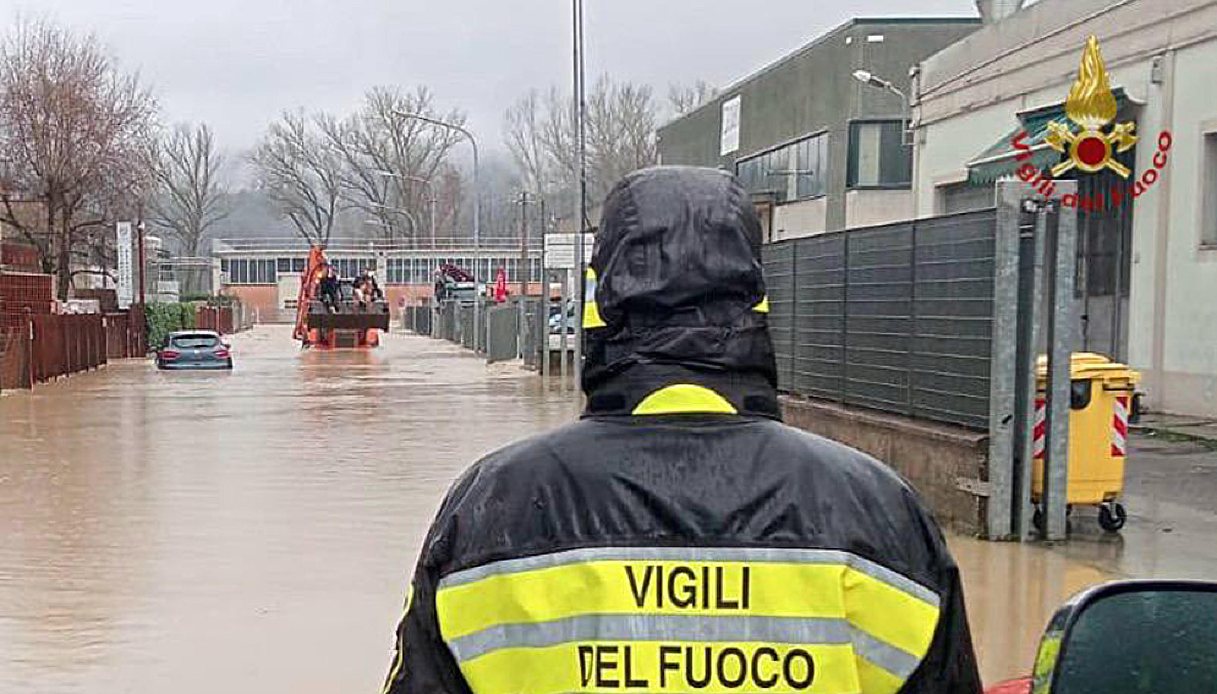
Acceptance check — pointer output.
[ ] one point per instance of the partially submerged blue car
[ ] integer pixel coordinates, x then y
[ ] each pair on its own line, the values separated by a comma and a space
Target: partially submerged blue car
194, 349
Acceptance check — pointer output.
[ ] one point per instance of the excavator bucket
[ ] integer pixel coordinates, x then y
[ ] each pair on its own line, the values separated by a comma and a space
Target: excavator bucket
374, 316
335, 319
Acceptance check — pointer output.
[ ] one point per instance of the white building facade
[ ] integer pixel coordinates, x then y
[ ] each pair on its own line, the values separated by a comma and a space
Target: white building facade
1147, 266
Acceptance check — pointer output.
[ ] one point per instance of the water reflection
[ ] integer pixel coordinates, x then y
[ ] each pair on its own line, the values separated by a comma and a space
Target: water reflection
252, 531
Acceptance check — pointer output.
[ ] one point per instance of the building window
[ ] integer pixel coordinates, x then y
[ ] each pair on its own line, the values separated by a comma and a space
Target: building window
795, 171
1208, 230
251, 271
878, 157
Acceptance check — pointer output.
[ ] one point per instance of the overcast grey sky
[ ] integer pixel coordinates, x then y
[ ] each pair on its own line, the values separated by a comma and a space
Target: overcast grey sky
237, 63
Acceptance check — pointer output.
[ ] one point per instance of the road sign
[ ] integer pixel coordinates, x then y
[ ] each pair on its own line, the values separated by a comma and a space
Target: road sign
560, 250
126, 275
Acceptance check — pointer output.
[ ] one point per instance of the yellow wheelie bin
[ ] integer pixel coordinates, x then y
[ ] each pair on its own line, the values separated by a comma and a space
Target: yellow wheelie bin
1100, 405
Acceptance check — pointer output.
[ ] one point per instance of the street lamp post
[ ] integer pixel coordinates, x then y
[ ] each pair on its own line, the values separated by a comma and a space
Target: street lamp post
581, 120
397, 210
871, 80
431, 198
477, 208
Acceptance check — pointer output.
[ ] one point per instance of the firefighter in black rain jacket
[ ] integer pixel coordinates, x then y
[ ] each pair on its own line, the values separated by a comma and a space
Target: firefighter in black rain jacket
679, 538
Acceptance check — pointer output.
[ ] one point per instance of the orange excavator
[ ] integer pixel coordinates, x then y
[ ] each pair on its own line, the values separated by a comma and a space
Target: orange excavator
334, 312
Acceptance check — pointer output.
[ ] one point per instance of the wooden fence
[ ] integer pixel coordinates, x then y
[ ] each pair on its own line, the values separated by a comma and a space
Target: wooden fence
50, 346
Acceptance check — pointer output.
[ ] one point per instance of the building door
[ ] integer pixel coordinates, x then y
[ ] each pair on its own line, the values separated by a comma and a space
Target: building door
1104, 261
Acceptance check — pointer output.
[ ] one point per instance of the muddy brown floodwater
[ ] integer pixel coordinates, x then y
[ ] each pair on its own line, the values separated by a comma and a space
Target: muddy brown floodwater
252, 531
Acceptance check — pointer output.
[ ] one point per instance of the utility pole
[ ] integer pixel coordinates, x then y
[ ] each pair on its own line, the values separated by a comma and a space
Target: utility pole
580, 118
543, 307
524, 271
143, 260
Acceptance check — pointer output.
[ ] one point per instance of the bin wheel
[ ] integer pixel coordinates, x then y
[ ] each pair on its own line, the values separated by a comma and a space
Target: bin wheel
1112, 517
1037, 520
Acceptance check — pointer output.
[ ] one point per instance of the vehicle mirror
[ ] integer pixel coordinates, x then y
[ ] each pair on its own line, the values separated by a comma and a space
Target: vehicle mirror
1134, 637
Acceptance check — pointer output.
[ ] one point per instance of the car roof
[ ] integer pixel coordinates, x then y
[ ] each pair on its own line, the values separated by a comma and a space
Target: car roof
200, 333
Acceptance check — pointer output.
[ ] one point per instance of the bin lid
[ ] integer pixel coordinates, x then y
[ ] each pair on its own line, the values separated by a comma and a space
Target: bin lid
1088, 365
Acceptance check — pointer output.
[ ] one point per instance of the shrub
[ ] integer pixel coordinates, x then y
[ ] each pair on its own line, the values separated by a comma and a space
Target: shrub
164, 318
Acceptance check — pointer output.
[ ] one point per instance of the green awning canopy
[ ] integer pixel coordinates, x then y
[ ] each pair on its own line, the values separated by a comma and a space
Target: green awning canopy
998, 161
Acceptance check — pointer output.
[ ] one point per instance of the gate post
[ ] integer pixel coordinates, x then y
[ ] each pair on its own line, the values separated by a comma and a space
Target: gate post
1062, 249
29, 349
1003, 361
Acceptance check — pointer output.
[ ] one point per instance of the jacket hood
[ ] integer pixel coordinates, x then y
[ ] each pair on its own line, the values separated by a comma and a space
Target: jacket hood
679, 295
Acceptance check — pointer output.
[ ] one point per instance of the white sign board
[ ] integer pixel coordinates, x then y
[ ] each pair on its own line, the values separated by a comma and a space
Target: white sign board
126, 274
731, 124
560, 250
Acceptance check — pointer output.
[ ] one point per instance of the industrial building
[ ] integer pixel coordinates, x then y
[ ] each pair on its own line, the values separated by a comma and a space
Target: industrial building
819, 149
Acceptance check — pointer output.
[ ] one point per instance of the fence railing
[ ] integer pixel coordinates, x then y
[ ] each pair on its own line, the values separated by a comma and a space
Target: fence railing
895, 318
505, 333
217, 318
48, 346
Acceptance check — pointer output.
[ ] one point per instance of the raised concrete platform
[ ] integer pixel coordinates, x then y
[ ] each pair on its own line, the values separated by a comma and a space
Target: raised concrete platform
942, 462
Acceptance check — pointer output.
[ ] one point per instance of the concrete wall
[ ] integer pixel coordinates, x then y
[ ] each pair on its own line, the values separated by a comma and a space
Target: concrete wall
813, 91
262, 300
868, 208
799, 219
934, 458
1182, 351
1164, 54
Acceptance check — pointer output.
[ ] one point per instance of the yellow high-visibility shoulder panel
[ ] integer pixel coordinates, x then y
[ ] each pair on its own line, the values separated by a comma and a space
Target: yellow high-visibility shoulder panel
684, 398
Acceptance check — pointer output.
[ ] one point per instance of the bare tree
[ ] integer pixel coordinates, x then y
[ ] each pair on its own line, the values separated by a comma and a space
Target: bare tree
190, 196
301, 171
74, 131
542, 135
687, 98
522, 130
387, 158
621, 122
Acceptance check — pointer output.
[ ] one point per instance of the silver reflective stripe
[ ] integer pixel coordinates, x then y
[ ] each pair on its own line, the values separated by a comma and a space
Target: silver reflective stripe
888, 657
755, 555
685, 629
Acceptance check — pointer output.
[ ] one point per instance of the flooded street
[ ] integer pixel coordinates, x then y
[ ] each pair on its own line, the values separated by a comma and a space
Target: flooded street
252, 531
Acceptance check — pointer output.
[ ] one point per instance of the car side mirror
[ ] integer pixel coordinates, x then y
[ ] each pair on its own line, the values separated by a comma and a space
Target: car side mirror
1132, 637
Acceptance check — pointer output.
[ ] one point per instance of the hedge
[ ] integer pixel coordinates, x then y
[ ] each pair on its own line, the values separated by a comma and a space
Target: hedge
164, 318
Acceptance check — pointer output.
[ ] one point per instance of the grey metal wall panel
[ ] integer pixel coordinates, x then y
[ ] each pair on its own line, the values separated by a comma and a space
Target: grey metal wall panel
503, 333
778, 262
897, 318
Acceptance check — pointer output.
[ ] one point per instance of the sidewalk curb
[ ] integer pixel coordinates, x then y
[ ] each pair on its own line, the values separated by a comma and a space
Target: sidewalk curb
1175, 435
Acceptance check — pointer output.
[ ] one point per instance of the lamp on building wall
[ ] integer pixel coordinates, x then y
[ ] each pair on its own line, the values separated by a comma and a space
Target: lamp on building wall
869, 79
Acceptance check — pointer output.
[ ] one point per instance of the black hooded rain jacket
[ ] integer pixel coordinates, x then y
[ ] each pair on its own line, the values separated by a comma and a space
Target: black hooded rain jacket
679, 538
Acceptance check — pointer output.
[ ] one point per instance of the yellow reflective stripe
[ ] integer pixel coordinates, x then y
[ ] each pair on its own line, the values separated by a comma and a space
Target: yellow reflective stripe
684, 398
664, 667
831, 591
591, 311
612, 587
889, 614
762, 307
876, 680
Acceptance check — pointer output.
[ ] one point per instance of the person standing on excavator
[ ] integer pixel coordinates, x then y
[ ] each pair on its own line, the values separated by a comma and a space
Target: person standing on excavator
679, 537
